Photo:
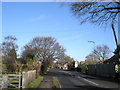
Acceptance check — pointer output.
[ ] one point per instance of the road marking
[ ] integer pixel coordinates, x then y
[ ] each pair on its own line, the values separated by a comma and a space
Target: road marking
59, 84
89, 81
83, 78
66, 72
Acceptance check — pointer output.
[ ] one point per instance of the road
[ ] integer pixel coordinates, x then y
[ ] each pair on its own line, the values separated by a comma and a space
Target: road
72, 79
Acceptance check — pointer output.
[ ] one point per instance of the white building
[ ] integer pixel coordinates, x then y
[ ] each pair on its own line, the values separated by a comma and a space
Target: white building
65, 67
76, 64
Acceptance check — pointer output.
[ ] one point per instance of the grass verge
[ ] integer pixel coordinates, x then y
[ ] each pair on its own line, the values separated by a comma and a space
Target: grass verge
55, 82
35, 83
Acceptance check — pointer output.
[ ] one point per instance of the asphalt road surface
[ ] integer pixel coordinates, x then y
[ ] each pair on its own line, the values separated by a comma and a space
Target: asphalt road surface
71, 79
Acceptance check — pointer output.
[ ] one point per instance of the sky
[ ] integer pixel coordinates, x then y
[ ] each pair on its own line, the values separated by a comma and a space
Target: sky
26, 20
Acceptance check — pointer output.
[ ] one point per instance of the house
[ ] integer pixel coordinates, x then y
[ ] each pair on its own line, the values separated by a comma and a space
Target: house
65, 66
76, 64
114, 59
82, 62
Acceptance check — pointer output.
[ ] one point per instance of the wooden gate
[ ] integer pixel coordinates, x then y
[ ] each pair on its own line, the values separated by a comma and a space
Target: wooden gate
1, 81
10, 80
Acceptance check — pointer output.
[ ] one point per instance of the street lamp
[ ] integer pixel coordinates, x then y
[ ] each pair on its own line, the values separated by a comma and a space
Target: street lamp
94, 48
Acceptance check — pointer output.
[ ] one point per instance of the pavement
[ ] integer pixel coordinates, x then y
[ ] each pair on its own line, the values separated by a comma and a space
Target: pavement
46, 82
71, 79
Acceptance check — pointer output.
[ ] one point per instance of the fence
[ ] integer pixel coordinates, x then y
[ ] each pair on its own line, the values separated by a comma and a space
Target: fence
17, 80
106, 70
91, 69
27, 77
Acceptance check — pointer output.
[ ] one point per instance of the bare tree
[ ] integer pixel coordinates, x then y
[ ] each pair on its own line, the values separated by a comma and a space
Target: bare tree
101, 13
9, 52
66, 60
91, 59
102, 52
46, 49
96, 12
8, 45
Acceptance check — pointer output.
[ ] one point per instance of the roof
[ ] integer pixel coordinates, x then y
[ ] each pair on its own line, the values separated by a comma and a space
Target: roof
113, 59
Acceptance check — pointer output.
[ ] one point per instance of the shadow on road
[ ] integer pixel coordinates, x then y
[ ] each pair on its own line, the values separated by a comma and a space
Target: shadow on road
64, 77
85, 87
52, 73
101, 78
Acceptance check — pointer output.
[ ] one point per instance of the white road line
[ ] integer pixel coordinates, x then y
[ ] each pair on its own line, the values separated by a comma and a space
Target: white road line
89, 81
59, 84
66, 72
83, 79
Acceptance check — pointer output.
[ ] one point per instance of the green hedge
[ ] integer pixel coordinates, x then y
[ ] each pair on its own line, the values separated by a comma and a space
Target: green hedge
35, 83
83, 68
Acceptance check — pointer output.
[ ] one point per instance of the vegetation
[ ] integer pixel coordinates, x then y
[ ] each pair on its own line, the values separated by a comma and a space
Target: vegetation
38, 54
83, 68
9, 73
55, 82
66, 60
96, 12
91, 59
9, 58
100, 53
117, 50
45, 49
101, 13
35, 83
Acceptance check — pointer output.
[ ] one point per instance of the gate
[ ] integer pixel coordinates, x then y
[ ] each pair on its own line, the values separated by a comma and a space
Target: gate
10, 81
1, 79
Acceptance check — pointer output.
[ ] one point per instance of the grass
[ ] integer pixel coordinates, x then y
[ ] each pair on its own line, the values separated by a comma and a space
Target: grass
9, 73
55, 82
10, 86
35, 83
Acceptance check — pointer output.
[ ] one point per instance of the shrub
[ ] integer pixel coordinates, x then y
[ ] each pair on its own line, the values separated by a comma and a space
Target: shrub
83, 68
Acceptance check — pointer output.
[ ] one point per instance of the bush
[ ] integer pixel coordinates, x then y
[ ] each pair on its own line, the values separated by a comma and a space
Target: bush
83, 68
35, 83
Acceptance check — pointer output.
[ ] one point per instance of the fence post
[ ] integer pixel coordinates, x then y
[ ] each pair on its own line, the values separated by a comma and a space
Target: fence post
5, 81
23, 79
20, 80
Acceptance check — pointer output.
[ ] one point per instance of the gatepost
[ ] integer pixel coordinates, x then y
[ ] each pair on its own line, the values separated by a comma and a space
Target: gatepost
5, 81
